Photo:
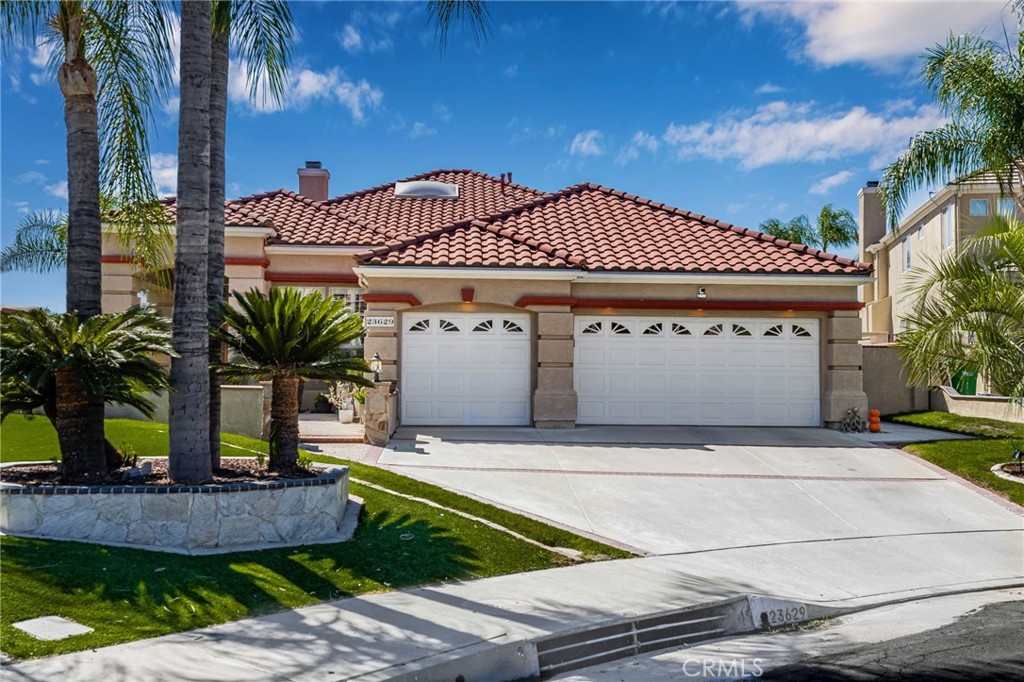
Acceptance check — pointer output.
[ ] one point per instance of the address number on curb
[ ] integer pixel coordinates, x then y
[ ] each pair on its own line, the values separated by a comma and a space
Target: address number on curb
379, 321
784, 616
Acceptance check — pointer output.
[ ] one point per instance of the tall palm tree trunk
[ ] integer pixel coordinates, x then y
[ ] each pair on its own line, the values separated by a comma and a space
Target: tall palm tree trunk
284, 413
215, 266
78, 84
189, 423
81, 445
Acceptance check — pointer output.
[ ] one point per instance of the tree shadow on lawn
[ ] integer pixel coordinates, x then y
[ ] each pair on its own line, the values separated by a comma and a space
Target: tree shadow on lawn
127, 594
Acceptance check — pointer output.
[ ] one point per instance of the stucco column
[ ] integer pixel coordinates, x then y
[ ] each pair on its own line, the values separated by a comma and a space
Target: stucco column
842, 362
554, 400
384, 340
119, 291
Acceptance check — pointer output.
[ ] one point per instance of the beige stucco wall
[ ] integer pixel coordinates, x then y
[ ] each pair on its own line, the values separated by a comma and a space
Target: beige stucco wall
987, 407
885, 382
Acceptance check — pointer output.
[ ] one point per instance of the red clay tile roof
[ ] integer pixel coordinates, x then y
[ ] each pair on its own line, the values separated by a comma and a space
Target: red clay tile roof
371, 216
480, 195
597, 228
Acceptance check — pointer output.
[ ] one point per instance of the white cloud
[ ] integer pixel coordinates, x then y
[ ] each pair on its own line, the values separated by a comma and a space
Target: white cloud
823, 186
420, 129
641, 141
57, 189
42, 162
881, 33
523, 131
512, 71
788, 132
165, 173
304, 87
587, 143
33, 177
22, 206
768, 89
442, 112
350, 39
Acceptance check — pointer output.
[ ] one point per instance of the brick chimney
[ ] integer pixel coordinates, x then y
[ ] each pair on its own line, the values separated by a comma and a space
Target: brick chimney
313, 181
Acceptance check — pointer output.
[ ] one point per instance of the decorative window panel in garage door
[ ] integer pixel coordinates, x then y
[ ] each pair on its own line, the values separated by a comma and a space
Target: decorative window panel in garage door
663, 370
460, 368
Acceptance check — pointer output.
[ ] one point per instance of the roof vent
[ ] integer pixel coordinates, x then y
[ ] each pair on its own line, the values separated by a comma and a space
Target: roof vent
426, 189
872, 183
314, 164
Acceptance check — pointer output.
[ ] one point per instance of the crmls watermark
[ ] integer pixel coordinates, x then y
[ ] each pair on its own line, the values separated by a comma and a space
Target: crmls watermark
722, 668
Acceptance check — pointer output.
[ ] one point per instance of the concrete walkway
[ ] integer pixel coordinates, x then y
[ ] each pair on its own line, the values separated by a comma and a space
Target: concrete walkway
384, 636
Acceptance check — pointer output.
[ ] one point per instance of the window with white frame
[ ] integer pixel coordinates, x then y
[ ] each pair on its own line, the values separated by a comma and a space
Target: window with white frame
906, 253
948, 225
979, 206
352, 296
1007, 206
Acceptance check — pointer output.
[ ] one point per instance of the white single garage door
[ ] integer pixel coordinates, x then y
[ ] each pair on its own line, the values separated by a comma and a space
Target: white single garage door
468, 369
664, 370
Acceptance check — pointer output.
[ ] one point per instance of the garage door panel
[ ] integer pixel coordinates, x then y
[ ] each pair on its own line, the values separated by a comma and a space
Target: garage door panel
751, 371
466, 369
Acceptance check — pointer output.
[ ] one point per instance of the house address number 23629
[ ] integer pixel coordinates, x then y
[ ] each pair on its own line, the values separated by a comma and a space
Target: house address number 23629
379, 321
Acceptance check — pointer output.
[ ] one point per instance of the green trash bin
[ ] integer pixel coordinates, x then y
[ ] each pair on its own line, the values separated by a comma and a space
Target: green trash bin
965, 382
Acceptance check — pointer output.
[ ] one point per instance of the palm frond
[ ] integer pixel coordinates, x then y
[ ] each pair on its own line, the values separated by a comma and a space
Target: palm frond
129, 47
444, 13
261, 33
39, 245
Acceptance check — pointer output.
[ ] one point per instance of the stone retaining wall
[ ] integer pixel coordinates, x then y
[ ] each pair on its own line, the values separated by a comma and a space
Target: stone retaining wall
184, 519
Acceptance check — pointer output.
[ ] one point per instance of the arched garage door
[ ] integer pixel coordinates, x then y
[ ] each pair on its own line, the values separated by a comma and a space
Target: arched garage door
465, 369
665, 370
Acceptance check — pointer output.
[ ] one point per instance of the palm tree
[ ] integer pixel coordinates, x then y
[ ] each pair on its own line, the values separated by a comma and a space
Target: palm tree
834, 228
291, 337
189, 418
261, 31
980, 85
60, 363
116, 61
969, 312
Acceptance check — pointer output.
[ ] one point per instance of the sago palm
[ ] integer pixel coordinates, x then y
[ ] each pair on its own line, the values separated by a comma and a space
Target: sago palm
969, 312
57, 362
979, 84
290, 337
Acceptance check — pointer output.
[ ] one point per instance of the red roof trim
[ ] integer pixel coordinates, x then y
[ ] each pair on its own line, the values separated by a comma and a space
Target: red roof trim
685, 304
335, 278
391, 298
228, 260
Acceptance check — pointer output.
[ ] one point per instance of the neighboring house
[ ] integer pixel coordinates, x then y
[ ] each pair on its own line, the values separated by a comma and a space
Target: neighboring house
494, 303
937, 226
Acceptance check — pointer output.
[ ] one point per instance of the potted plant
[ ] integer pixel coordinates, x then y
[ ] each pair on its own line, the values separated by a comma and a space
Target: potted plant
340, 396
322, 404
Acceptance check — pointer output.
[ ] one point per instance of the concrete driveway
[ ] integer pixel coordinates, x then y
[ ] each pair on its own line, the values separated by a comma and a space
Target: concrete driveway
665, 490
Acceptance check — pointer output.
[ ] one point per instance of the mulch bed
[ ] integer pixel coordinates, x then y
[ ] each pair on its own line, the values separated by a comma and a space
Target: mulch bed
1012, 470
241, 470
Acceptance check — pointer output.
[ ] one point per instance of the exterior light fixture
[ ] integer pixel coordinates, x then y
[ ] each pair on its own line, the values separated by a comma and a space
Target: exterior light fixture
376, 365
702, 293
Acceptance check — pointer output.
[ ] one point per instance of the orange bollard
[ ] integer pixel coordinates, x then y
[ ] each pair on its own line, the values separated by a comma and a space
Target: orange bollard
874, 421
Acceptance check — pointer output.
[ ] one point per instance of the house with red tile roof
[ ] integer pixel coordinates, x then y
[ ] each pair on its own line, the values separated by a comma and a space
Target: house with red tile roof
492, 303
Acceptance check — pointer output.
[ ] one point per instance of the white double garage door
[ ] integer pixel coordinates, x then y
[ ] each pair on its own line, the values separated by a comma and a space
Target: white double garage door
476, 369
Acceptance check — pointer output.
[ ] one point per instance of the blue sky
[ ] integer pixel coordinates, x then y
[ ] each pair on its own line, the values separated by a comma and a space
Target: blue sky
741, 111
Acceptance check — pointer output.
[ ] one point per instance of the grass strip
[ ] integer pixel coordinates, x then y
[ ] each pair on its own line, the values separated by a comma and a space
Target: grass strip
129, 594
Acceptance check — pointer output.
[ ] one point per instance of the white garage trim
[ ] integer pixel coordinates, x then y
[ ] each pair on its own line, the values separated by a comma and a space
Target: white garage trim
687, 370
466, 369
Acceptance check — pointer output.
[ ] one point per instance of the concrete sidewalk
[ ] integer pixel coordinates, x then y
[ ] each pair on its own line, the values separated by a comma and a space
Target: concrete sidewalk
385, 636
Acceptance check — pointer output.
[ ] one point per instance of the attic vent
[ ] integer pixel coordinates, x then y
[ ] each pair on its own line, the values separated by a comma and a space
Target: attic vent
426, 189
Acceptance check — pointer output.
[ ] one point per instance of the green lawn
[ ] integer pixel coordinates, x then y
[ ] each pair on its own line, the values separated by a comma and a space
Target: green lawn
128, 594
973, 458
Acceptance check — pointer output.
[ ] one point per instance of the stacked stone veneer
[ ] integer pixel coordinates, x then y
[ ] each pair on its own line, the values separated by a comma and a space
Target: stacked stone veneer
177, 518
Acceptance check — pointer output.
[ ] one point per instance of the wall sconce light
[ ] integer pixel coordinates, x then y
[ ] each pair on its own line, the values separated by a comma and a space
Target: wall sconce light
376, 365
702, 293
